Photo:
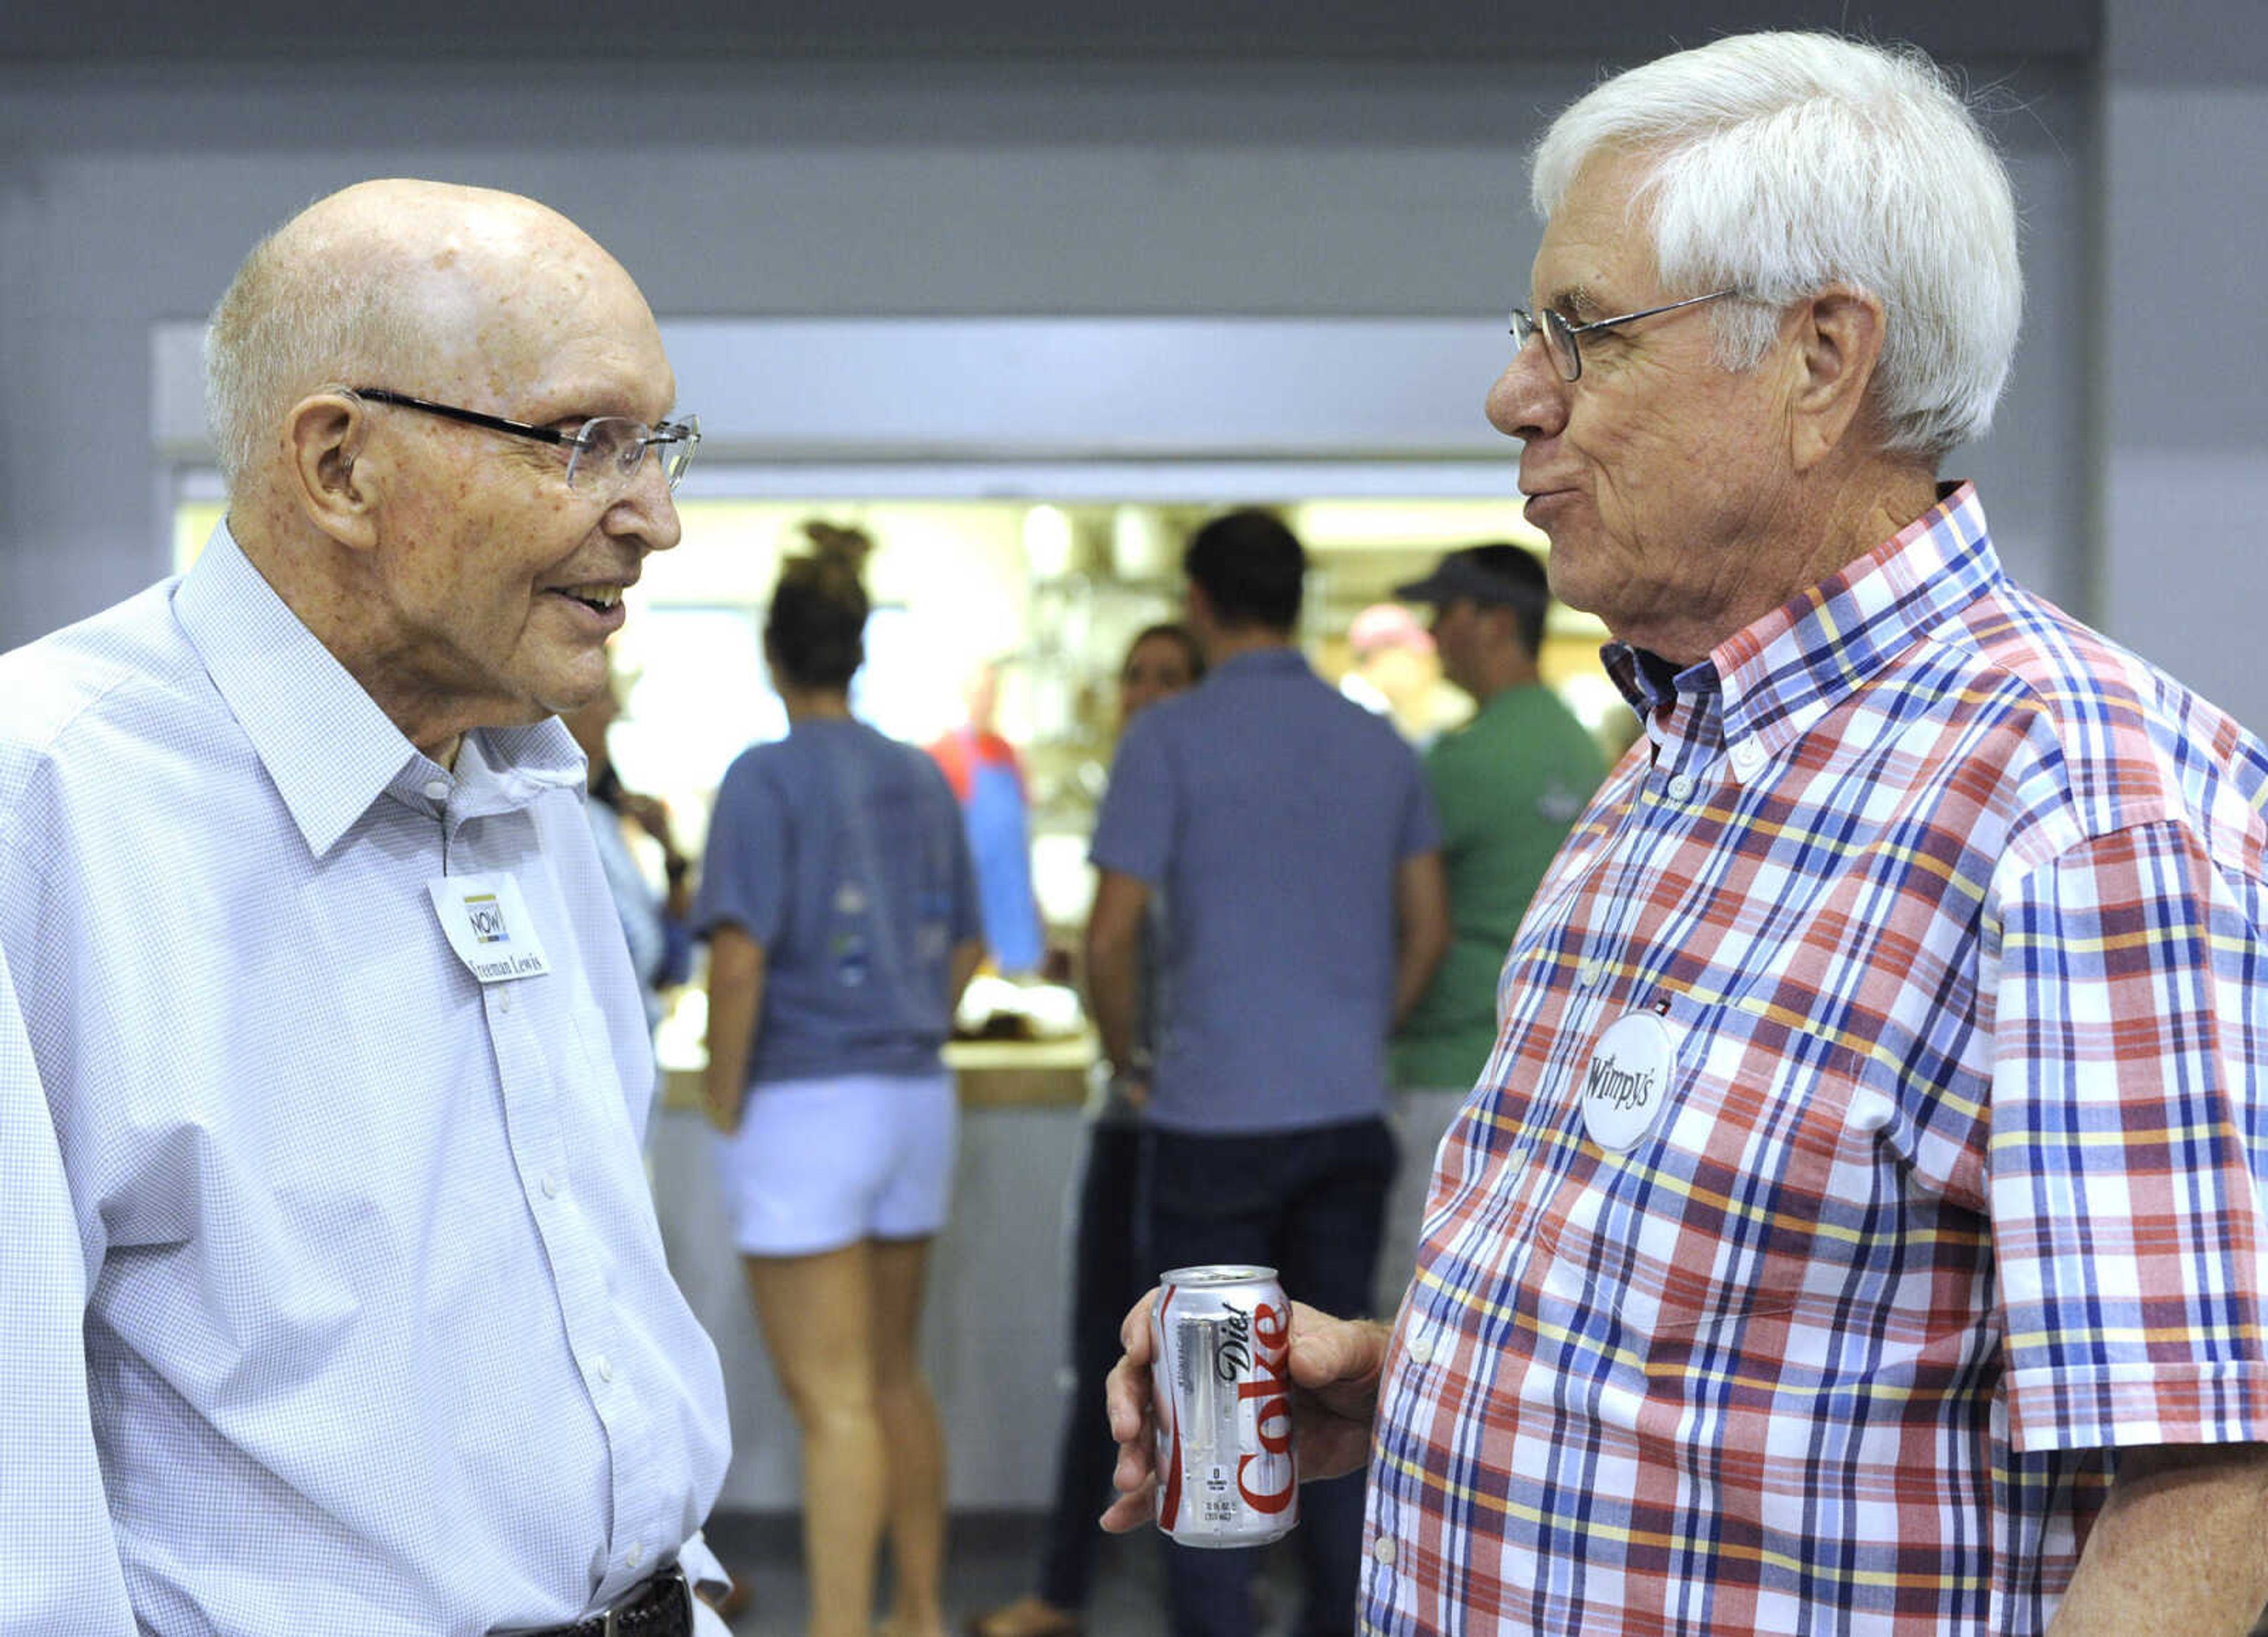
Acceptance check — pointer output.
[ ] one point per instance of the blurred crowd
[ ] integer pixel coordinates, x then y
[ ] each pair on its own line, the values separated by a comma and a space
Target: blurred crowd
1303, 892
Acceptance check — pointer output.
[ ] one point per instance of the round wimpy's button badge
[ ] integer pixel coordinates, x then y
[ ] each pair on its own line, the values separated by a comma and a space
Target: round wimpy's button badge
1627, 1081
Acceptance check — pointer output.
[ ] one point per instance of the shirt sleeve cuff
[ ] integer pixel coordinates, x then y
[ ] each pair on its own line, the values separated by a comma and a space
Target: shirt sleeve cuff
2224, 1401
701, 1566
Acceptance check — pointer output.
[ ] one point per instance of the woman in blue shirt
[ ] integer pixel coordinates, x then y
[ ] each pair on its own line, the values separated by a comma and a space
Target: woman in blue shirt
842, 924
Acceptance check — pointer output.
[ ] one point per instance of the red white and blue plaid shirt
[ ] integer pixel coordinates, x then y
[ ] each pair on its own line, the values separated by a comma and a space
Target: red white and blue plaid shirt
1950, 913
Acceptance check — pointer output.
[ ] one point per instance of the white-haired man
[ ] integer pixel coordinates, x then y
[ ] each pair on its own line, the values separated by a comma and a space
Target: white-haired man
338, 1303
1858, 1228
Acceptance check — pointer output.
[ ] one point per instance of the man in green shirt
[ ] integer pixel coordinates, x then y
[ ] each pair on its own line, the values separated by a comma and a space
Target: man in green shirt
1507, 785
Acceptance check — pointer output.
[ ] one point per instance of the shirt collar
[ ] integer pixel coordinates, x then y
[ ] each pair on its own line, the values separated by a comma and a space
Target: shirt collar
1260, 661
325, 744
1782, 673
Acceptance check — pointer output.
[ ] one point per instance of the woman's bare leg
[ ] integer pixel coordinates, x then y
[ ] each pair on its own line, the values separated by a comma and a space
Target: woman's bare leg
817, 1313
916, 1442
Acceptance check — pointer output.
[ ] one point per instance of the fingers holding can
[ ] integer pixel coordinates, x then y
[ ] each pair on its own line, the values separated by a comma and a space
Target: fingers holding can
1127, 1399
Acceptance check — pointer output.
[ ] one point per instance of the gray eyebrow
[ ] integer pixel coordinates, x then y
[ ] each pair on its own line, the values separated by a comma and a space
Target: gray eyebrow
1574, 301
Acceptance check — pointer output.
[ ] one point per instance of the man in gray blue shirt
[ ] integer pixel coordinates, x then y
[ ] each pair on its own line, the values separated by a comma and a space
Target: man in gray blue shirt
1290, 835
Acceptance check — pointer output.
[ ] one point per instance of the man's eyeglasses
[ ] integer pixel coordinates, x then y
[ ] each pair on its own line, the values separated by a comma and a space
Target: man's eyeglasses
606, 450
1559, 335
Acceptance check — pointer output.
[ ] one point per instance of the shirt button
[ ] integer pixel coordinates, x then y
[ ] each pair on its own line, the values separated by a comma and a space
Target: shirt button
503, 998
605, 1368
1681, 786
635, 1555
550, 1187
1381, 1551
1421, 1346
1747, 756
1588, 973
437, 790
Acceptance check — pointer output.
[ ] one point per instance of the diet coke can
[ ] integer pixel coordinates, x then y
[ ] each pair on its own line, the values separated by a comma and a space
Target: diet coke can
1221, 1378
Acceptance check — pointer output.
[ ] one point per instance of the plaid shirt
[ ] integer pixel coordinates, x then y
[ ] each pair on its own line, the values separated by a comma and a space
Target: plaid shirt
1949, 911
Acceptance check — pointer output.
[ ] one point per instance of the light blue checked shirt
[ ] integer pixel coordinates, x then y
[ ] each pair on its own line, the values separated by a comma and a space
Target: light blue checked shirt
331, 1298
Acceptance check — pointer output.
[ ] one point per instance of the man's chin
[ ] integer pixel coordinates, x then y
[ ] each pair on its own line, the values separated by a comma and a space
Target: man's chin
566, 700
570, 687
1571, 585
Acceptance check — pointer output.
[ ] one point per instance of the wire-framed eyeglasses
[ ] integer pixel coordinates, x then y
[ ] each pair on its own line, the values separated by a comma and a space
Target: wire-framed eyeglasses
1559, 335
606, 450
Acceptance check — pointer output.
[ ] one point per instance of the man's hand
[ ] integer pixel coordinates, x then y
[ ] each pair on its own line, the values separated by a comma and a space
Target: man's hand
1334, 1366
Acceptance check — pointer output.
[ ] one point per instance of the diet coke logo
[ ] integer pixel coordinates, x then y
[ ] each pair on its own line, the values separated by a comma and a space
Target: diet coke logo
1235, 1354
1270, 1385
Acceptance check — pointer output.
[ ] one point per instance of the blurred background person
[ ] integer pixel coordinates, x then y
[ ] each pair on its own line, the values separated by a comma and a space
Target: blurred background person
1106, 1277
1291, 836
653, 920
1394, 673
988, 780
840, 911
1508, 786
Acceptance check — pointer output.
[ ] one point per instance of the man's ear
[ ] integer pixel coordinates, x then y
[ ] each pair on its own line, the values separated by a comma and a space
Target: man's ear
335, 485
1837, 346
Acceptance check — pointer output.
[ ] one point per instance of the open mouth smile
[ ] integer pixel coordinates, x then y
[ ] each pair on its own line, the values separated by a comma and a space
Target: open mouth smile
599, 598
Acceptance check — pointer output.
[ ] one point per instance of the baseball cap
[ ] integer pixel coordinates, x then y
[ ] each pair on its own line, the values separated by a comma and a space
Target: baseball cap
1485, 573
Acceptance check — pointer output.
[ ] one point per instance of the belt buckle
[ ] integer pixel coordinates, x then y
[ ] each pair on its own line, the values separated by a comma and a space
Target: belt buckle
610, 1622
676, 1575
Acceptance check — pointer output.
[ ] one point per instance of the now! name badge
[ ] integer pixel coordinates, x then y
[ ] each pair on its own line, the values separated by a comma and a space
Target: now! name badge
1628, 1081
487, 923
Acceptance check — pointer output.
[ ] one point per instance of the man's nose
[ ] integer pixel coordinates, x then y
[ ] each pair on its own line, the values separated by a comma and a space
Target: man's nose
646, 510
1529, 400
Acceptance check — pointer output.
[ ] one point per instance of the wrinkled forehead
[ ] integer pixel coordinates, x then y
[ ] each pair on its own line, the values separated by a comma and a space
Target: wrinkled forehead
1598, 243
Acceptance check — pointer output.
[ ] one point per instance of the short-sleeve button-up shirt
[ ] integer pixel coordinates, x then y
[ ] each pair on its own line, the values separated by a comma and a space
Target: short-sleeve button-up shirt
1948, 911
1273, 815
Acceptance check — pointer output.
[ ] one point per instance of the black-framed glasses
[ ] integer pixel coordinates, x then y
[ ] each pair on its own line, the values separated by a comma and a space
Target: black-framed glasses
606, 450
1559, 335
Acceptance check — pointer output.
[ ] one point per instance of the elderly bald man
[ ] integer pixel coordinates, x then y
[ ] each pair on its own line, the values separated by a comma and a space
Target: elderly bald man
337, 1301
1861, 1225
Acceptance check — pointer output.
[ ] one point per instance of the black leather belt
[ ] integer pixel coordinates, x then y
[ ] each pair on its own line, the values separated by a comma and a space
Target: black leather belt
659, 1607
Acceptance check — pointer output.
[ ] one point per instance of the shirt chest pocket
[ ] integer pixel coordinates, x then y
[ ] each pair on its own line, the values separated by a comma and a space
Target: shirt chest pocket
1756, 1192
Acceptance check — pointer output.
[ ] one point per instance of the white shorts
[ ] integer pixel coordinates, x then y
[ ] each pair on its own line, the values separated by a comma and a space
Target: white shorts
819, 1165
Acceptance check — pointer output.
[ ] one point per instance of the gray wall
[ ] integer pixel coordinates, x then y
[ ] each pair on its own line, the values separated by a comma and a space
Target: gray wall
2180, 336
129, 193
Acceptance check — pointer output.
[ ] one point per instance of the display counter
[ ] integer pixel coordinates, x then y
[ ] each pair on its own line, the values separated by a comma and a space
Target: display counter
990, 1074
995, 1336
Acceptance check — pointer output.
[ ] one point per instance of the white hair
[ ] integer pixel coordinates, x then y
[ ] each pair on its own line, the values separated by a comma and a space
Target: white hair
1787, 162
298, 316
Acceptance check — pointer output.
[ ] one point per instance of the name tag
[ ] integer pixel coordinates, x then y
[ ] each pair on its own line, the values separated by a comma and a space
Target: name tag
1628, 1081
487, 923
